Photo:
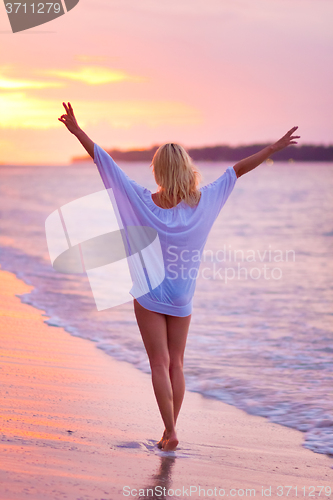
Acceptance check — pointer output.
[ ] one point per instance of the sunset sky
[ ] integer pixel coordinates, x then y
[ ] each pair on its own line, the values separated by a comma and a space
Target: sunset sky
139, 73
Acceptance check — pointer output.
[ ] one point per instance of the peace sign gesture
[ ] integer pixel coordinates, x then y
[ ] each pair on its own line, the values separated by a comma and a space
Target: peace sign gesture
69, 119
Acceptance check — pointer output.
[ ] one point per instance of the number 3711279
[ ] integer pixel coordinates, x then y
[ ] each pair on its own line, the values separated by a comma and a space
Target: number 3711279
33, 8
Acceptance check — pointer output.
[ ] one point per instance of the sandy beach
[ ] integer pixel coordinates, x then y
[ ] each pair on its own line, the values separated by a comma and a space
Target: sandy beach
78, 425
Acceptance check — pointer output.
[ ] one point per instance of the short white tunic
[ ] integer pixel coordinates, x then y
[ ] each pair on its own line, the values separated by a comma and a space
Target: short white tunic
182, 230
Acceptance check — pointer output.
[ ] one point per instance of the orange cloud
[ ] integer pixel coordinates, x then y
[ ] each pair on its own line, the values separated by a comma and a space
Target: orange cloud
12, 83
94, 75
19, 111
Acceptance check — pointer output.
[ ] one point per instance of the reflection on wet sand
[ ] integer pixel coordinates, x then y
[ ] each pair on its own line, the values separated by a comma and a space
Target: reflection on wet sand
160, 482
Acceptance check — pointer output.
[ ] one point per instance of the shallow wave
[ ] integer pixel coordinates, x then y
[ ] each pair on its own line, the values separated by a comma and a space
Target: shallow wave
262, 345
299, 407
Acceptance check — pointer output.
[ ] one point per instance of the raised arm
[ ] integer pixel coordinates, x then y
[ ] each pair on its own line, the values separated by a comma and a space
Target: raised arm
251, 162
70, 121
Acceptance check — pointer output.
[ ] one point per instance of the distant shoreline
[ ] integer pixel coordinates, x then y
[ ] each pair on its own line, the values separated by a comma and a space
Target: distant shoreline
306, 152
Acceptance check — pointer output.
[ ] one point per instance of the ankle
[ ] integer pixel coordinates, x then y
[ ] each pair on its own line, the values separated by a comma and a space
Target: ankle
169, 432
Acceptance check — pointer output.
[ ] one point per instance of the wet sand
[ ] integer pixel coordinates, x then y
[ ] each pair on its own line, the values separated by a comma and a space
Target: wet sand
78, 425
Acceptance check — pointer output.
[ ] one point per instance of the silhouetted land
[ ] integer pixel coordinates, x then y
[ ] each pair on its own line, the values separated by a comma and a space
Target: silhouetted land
228, 153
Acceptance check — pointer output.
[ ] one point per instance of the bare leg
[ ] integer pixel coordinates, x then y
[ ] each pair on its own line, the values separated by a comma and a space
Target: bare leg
177, 336
153, 329
164, 338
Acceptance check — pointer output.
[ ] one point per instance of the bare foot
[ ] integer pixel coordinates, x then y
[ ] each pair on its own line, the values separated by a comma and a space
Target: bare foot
161, 441
171, 442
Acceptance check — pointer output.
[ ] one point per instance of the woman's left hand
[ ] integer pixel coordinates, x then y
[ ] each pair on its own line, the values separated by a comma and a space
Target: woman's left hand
286, 140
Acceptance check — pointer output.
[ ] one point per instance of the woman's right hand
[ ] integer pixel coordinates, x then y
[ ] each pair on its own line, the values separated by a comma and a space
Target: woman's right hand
69, 119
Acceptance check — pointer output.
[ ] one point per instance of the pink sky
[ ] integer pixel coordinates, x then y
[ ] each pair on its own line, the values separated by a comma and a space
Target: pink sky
138, 73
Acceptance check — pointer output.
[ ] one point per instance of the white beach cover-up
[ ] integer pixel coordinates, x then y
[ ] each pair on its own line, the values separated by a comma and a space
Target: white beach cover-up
182, 231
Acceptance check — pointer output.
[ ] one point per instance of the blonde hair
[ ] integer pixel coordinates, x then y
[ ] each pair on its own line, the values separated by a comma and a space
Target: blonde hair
176, 176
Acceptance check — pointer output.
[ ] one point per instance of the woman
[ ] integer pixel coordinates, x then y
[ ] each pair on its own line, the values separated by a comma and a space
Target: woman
182, 215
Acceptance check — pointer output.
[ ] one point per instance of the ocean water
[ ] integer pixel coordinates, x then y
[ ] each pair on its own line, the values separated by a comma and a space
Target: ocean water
261, 332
